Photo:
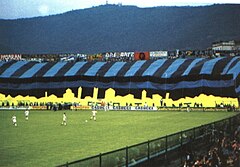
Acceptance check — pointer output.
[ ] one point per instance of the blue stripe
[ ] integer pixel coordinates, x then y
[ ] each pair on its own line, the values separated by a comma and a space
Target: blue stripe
235, 70
30, 72
153, 67
92, 71
172, 68
53, 70
209, 65
13, 68
238, 90
114, 69
187, 71
134, 68
72, 71
228, 65
1, 63
113, 84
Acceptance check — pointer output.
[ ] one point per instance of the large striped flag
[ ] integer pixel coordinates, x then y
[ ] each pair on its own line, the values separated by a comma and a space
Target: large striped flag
180, 77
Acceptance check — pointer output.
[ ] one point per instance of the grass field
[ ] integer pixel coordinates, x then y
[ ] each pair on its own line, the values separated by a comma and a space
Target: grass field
42, 141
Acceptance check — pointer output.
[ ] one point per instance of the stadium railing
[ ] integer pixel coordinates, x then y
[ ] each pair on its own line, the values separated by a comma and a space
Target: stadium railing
164, 149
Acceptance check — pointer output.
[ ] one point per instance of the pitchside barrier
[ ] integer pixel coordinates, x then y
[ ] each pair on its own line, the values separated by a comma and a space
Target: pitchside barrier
150, 108
119, 108
165, 149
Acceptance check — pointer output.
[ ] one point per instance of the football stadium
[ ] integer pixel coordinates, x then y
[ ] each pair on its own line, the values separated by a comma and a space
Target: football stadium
134, 108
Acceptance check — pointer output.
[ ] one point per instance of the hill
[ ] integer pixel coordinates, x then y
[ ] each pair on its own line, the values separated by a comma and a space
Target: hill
121, 28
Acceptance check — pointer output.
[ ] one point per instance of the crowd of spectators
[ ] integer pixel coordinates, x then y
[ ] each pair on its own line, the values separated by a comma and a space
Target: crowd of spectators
229, 107
223, 152
117, 56
129, 56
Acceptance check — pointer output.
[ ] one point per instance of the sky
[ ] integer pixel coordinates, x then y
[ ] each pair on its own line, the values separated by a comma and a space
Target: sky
14, 9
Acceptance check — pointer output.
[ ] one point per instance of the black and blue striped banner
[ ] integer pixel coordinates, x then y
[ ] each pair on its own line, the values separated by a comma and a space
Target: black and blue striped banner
219, 76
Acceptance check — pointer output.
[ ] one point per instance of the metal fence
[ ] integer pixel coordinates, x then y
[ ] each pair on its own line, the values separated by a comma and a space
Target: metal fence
164, 147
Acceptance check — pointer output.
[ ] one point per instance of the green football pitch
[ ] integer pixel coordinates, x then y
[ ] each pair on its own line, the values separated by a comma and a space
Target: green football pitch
43, 141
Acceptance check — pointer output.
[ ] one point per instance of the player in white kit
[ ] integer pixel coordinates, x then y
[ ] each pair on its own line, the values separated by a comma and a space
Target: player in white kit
94, 113
14, 120
26, 114
64, 122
